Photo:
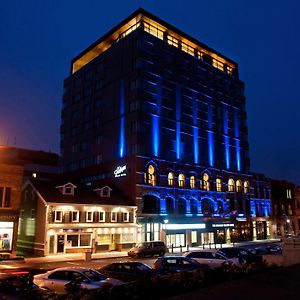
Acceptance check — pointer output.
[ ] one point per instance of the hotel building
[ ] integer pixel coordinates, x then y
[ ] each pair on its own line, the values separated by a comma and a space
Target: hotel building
153, 112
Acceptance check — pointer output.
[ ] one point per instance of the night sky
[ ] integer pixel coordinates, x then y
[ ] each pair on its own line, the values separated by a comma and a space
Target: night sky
38, 39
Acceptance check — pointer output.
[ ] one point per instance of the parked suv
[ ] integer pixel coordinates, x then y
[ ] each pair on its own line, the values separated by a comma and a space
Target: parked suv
148, 249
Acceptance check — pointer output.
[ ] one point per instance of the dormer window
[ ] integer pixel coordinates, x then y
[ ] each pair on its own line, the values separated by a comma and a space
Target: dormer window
67, 189
104, 192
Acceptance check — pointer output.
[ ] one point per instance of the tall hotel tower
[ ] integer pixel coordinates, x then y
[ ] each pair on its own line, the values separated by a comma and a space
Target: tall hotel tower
152, 112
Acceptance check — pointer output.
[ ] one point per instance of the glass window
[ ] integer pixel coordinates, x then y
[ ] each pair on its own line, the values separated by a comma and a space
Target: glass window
114, 216
101, 216
219, 185
246, 187
6, 234
72, 240
85, 240
181, 180
89, 216
58, 216
238, 186
206, 186
172, 41
217, 64
75, 216
230, 185
125, 216
193, 182
171, 179
150, 177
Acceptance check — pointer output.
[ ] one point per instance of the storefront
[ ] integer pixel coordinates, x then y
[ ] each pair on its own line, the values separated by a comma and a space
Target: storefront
6, 236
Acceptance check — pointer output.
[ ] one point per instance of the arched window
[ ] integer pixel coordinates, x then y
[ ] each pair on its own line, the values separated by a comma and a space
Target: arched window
207, 207
194, 206
181, 180
230, 185
181, 206
170, 205
150, 177
219, 185
238, 186
151, 204
206, 186
246, 187
171, 179
193, 181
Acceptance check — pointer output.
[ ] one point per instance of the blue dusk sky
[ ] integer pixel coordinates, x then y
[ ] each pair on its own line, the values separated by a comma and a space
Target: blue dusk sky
38, 39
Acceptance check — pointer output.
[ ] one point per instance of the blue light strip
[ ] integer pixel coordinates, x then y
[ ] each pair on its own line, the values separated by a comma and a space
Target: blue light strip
196, 145
163, 209
227, 151
178, 112
178, 141
210, 139
236, 124
238, 155
122, 121
155, 135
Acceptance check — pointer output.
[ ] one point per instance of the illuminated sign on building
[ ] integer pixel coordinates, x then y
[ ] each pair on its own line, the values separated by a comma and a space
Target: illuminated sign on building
120, 171
184, 226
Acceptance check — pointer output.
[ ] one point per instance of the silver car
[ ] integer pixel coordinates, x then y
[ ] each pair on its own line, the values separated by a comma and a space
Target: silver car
57, 279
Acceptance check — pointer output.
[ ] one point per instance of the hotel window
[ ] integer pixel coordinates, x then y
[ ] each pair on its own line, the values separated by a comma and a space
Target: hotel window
32, 213
89, 216
114, 216
230, 185
246, 187
238, 186
219, 185
125, 216
75, 216
193, 182
154, 30
172, 41
181, 180
101, 216
188, 49
217, 64
288, 194
206, 186
171, 179
200, 55
229, 70
150, 177
58, 216
5, 195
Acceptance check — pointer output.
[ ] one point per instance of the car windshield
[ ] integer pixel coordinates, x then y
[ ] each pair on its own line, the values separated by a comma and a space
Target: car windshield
94, 276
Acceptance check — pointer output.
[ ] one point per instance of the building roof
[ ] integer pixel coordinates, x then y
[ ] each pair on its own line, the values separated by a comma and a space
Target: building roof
82, 195
130, 24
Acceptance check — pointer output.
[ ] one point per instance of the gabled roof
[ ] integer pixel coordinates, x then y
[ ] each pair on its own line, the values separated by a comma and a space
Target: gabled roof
82, 196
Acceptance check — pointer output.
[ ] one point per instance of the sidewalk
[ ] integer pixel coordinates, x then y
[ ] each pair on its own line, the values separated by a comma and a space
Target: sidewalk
118, 254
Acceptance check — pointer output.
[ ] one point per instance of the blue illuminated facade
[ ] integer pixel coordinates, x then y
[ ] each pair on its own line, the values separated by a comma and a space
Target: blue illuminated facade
172, 112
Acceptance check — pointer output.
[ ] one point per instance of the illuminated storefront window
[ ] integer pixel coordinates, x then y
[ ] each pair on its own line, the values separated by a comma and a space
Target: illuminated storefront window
6, 235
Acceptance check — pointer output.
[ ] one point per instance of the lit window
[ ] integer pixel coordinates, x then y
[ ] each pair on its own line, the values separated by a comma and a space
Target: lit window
181, 180
200, 55
34, 175
75, 216
154, 30
230, 185
89, 216
32, 213
188, 49
289, 194
114, 216
238, 186
101, 216
219, 185
173, 41
125, 216
193, 182
171, 179
58, 216
150, 177
246, 187
229, 70
206, 186
217, 64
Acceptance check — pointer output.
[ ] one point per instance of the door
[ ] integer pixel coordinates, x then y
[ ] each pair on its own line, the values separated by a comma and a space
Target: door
115, 241
60, 243
51, 244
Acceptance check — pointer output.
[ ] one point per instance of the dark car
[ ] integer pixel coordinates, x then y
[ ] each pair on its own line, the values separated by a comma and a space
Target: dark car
173, 264
19, 285
148, 249
127, 271
244, 255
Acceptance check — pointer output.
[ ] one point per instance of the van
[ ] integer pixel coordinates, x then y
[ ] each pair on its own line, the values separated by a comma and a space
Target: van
148, 249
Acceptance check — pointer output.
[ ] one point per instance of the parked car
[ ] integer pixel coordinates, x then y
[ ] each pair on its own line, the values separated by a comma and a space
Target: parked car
243, 255
172, 264
148, 249
210, 257
127, 271
57, 279
19, 285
